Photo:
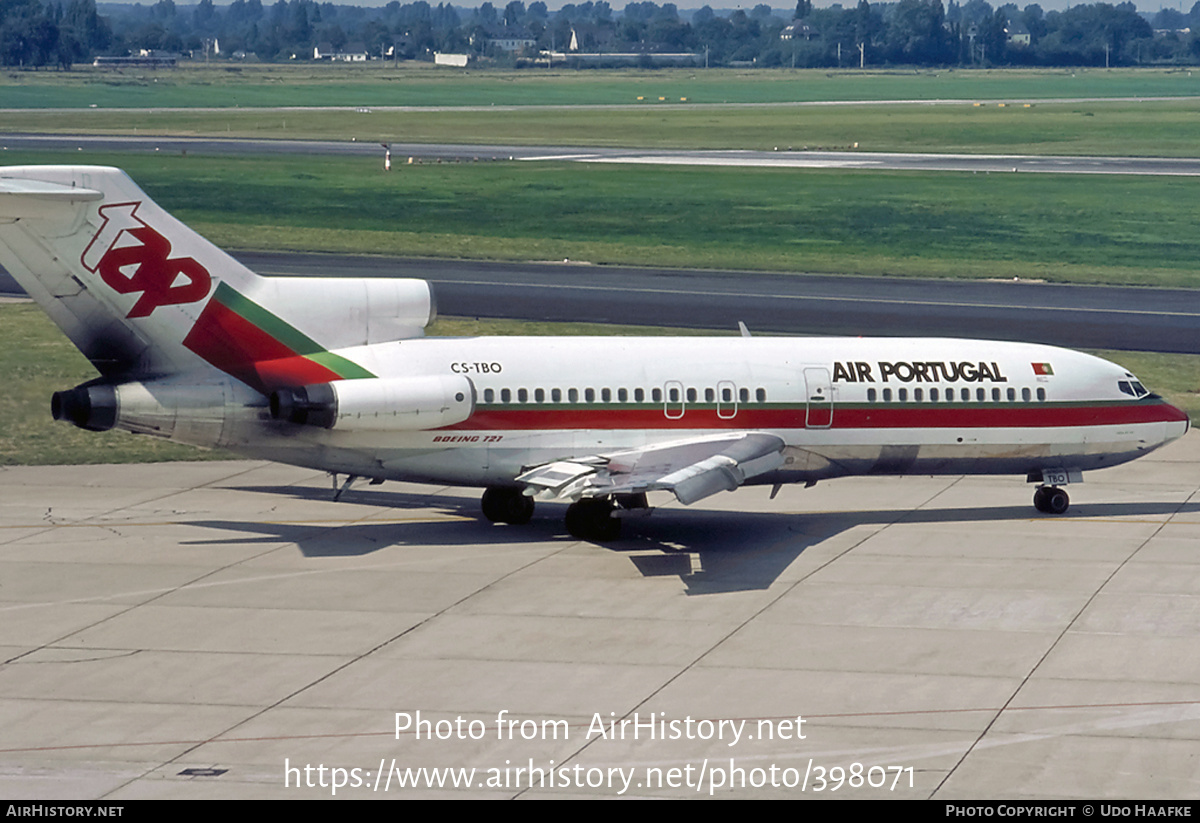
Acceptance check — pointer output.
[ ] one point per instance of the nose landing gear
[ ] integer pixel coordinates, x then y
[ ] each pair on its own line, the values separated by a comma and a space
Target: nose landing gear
1051, 500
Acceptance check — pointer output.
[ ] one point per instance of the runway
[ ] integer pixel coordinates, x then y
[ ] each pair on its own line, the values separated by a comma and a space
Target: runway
1109, 317
1104, 317
224, 630
782, 157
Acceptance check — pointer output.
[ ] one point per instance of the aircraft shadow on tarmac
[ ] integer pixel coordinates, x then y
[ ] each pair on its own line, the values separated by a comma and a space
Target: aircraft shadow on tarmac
710, 551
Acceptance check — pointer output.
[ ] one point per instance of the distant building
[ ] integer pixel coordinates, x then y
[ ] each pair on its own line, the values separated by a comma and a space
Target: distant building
798, 30
504, 39
459, 60
351, 53
1017, 35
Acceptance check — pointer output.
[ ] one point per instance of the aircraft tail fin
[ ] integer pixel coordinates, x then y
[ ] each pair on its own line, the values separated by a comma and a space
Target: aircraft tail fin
142, 295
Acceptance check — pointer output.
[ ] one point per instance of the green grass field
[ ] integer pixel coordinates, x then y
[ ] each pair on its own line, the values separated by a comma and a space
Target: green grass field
1087, 229
1149, 112
1138, 129
37, 360
1161, 128
1066, 228
421, 84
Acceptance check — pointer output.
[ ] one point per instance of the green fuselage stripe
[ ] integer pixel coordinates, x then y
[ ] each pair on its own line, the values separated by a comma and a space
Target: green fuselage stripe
287, 334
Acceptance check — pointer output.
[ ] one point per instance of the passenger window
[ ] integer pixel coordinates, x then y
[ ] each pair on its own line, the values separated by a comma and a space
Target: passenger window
1012, 395
1026, 396
556, 395
539, 395
761, 395
522, 395
933, 395
589, 395
870, 395
572, 395
710, 395
489, 395
606, 395
902, 395
639, 395
622, 395
744, 395
887, 395
918, 395
691, 395
995, 395
1041, 394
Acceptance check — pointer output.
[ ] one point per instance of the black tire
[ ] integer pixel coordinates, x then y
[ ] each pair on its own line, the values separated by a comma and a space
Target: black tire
1039, 499
1057, 501
591, 519
506, 505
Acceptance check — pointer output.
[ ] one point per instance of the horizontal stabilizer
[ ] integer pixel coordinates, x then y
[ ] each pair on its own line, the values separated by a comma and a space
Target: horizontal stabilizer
41, 190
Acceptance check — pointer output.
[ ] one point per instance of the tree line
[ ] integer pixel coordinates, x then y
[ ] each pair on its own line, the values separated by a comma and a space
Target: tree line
35, 33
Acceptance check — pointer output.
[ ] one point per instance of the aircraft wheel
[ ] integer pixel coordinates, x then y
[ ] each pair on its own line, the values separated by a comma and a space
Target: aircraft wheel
1057, 500
1039, 499
1051, 500
591, 519
506, 505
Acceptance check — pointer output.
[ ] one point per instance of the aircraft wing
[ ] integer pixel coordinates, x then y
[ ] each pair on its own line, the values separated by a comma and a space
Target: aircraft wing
692, 469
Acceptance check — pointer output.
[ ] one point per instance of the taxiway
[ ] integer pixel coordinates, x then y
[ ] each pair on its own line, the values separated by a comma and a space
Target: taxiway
779, 156
208, 630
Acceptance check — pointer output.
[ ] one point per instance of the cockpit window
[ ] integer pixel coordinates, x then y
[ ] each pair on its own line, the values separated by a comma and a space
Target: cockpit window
1132, 388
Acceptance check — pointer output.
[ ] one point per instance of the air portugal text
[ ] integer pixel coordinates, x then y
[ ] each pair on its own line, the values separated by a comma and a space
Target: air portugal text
925, 371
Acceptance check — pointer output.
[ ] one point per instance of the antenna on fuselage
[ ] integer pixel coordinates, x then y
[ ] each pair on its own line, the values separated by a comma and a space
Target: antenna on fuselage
742, 328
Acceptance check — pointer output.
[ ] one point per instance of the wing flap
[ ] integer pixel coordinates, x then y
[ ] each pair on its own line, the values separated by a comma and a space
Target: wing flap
563, 478
691, 469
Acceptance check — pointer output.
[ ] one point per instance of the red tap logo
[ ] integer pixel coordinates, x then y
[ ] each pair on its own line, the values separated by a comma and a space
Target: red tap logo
132, 257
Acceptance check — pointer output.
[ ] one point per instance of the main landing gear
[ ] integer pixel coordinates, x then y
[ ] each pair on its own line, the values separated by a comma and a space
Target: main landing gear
1051, 500
592, 518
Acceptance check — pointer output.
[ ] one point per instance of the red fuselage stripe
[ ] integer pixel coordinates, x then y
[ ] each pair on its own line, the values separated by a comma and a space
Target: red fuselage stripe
929, 416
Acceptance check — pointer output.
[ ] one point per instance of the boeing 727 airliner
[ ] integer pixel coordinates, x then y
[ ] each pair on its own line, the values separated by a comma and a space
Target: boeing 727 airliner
335, 374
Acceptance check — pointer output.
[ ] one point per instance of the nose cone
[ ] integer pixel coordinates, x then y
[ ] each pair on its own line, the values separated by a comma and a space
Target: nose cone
1175, 422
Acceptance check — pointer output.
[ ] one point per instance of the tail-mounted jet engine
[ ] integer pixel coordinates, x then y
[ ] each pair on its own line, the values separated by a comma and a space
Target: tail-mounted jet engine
180, 408
378, 403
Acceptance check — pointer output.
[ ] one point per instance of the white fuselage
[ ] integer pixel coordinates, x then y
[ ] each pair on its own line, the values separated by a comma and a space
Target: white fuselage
842, 405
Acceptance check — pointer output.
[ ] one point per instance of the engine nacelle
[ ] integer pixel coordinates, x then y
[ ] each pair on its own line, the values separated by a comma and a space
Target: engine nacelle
378, 403
185, 409
89, 407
